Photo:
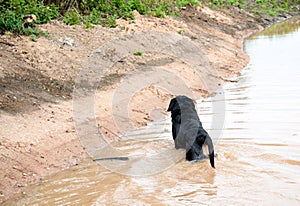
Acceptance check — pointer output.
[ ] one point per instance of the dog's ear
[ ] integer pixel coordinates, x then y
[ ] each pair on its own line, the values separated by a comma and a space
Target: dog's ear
172, 104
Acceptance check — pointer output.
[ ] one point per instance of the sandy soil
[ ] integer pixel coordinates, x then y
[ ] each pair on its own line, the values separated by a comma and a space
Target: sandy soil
37, 132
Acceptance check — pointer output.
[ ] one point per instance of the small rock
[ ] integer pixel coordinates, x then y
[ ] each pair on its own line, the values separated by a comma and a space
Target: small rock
66, 41
21, 185
20, 144
16, 167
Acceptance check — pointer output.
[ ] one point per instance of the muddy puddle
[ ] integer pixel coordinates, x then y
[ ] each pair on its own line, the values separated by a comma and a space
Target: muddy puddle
258, 149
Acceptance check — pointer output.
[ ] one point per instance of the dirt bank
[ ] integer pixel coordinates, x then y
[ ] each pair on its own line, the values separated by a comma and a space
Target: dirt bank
37, 131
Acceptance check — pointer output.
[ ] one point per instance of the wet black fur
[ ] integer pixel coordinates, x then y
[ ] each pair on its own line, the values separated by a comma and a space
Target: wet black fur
187, 129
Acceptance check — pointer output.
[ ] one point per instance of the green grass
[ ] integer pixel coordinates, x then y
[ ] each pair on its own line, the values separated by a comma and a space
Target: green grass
88, 12
261, 7
105, 13
33, 37
225, 3
72, 17
138, 53
181, 31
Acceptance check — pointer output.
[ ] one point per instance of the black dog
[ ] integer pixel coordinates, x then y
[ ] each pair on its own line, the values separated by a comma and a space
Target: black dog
187, 130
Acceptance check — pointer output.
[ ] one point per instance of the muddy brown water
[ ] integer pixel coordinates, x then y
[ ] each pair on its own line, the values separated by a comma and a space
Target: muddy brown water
258, 150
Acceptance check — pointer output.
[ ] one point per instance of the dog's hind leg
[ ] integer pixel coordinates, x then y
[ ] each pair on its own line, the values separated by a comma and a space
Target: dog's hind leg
193, 152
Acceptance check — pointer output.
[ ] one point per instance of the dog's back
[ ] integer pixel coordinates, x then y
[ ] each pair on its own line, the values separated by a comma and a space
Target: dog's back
187, 129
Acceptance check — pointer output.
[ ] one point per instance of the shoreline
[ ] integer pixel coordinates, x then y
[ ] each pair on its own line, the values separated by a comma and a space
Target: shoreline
38, 135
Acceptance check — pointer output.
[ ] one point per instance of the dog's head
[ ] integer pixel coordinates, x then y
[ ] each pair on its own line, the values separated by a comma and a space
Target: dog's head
173, 106
180, 103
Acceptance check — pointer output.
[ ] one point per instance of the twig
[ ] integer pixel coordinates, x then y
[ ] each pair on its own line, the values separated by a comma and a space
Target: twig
115, 134
112, 158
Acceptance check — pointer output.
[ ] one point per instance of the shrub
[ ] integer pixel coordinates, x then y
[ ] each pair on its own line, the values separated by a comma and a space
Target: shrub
105, 13
9, 21
13, 11
72, 17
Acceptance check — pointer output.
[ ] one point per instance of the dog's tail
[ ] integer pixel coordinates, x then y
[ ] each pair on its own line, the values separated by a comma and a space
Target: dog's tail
211, 155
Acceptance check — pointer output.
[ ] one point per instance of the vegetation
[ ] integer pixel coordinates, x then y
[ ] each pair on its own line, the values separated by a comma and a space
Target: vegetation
280, 28
105, 13
268, 7
89, 12
274, 7
181, 31
138, 53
